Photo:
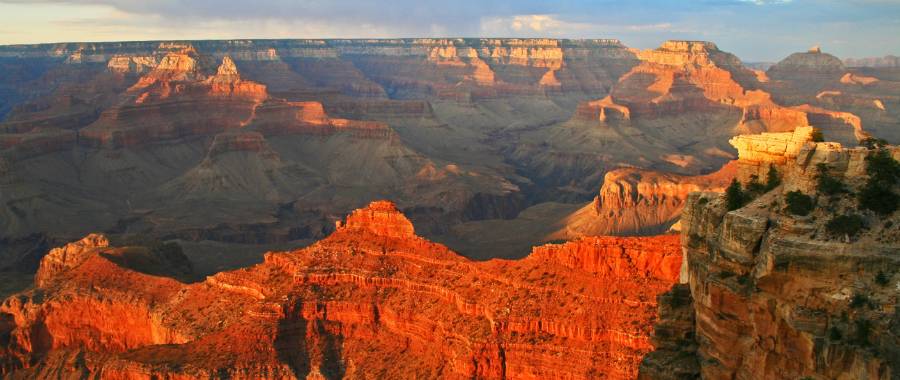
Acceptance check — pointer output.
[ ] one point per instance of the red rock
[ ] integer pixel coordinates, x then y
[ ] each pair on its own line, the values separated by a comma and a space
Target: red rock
355, 303
281, 117
640, 202
601, 110
69, 256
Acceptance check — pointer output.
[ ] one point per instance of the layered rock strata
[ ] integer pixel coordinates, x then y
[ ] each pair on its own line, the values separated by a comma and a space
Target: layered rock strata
641, 202
354, 304
777, 295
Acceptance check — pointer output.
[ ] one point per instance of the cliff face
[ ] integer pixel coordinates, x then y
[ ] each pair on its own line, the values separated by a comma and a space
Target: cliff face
176, 99
861, 92
357, 302
684, 94
641, 202
776, 295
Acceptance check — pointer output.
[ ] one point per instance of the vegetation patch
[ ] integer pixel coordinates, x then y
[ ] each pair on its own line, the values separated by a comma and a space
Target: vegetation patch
799, 203
863, 327
735, 197
773, 179
845, 225
859, 300
828, 185
878, 194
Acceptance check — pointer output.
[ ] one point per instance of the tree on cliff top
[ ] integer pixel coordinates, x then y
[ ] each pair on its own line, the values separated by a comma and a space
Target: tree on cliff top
883, 168
734, 196
873, 143
754, 187
878, 194
799, 203
772, 178
827, 184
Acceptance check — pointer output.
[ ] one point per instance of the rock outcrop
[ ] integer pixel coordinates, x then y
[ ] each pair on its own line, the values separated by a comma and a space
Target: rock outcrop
851, 78
640, 202
68, 256
813, 65
355, 303
776, 295
352, 303
602, 109
177, 99
281, 117
757, 152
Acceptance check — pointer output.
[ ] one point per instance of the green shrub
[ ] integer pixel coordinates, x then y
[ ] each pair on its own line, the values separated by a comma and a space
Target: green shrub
882, 279
873, 143
879, 198
834, 333
863, 327
772, 178
859, 300
694, 240
734, 196
849, 225
676, 301
799, 203
883, 168
878, 194
827, 184
817, 135
754, 186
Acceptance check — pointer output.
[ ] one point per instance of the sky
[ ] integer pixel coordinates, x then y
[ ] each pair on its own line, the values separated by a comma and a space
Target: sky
755, 30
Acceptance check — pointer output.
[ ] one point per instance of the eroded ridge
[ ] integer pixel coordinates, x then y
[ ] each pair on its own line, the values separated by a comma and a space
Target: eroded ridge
357, 302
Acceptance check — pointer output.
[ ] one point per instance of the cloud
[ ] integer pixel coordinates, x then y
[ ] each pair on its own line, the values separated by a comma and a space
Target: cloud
531, 25
754, 29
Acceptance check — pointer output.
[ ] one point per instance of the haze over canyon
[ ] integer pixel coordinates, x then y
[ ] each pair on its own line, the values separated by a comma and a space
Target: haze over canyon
448, 208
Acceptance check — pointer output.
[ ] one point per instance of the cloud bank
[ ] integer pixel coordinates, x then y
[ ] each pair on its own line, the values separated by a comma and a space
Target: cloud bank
753, 29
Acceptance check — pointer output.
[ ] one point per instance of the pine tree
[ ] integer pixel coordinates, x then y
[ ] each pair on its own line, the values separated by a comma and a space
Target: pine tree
734, 195
772, 178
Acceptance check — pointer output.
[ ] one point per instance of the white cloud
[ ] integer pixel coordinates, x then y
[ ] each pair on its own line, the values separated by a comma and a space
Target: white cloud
548, 25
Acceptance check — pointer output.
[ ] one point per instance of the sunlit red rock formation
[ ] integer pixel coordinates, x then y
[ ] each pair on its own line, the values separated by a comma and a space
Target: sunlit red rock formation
280, 117
641, 202
357, 303
757, 152
601, 110
695, 76
851, 78
177, 99
62, 259
674, 111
